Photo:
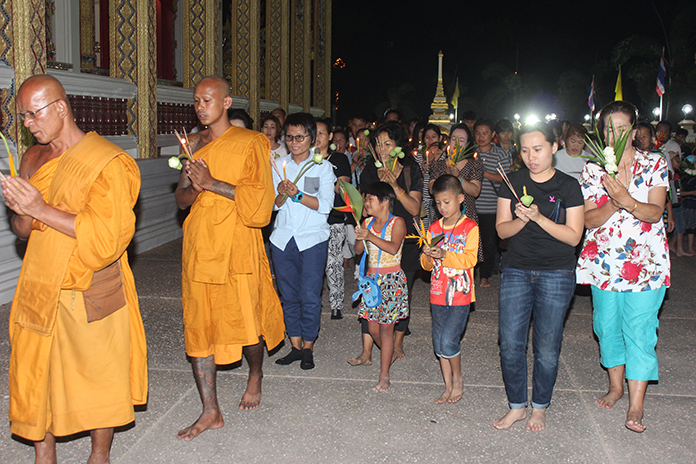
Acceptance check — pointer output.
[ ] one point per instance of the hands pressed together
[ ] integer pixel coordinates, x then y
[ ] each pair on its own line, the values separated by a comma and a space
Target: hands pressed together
199, 174
22, 197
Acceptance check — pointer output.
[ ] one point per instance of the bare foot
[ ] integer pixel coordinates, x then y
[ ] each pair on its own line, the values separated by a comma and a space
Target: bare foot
608, 400
510, 418
445, 395
485, 283
634, 419
209, 419
383, 385
537, 421
398, 353
457, 390
252, 396
689, 253
362, 360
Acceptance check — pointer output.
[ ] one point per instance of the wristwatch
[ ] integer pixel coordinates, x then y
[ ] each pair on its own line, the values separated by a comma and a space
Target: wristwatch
298, 198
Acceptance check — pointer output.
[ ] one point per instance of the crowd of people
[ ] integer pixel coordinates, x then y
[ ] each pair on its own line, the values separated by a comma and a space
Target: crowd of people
445, 204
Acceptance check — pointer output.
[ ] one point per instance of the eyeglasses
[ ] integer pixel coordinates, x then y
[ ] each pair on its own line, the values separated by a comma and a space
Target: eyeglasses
296, 138
31, 114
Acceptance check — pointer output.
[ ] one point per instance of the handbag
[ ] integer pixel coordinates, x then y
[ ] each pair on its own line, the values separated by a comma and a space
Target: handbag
368, 287
105, 294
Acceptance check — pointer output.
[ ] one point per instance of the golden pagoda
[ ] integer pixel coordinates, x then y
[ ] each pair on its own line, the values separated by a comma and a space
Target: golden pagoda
439, 104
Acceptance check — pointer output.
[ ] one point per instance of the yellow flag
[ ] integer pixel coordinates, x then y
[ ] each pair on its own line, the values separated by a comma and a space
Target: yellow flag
618, 90
455, 95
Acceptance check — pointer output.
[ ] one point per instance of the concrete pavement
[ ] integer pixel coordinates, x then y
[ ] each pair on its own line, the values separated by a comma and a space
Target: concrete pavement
331, 414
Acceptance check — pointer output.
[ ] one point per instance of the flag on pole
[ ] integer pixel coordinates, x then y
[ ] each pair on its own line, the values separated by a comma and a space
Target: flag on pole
455, 95
661, 74
618, 90
590, 100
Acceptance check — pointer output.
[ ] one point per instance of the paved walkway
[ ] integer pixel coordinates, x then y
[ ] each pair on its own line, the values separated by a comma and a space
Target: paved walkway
331, 414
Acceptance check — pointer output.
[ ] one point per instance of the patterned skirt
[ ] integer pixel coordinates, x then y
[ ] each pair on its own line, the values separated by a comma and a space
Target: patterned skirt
394, 304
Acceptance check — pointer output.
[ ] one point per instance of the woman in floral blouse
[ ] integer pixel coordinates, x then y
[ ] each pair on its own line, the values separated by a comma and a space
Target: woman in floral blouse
626, 260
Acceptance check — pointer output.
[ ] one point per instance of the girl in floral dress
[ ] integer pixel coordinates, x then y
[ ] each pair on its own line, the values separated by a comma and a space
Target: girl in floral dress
384, 235
625, 258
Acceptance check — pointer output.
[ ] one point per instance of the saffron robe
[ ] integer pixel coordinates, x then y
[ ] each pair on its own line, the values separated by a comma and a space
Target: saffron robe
227, 289
66, 375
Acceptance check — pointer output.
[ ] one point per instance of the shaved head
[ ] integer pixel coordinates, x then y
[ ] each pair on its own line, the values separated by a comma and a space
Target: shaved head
220, 84
51, 87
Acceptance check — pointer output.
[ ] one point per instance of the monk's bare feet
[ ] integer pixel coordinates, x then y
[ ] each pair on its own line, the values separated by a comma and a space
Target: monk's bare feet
510, 418
485, 283
608, 400
537, 421
684, 253
209, 419
382, 386
362, 360
442, 399
252, 396
634, 420
457, 390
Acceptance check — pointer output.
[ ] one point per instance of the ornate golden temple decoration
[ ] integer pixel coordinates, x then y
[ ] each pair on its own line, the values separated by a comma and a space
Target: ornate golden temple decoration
194, 42
87, 56
147, 79
275, 62
322, 57
134, 58
29, 36
244, 78
301, 31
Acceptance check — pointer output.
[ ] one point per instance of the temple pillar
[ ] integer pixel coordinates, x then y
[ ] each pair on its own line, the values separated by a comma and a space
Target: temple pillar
322, 56
244, 75
133, 29
278, 52
202, 35
301, 53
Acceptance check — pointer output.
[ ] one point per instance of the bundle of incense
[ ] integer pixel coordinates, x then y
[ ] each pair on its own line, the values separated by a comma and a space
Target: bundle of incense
184, 144
274, 165
501, 171
374, 155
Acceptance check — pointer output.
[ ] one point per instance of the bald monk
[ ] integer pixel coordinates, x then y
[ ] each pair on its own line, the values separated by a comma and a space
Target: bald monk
78, 357
230, 306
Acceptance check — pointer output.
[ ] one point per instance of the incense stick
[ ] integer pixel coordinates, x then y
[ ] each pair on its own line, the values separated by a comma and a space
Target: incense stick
501, 171
183, 143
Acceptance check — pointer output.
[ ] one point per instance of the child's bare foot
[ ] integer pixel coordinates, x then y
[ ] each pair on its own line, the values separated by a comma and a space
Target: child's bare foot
634, 420
362, 360
399, 353
445, 395
608, 400
383, 385
510, 418
457, 390
537, 421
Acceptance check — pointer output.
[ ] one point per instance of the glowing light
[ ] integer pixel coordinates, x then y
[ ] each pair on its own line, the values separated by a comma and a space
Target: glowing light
687, 109
532, 119
656, 111
587, 117
517, 116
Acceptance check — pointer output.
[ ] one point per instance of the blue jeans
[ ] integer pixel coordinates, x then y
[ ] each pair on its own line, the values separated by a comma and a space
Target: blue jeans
300, 276
448, 325
543, 296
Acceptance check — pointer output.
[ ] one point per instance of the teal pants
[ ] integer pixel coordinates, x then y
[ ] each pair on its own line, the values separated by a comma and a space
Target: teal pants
626, 325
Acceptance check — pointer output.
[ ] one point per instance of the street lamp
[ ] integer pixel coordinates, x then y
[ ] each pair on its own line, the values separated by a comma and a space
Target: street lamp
687, 109
656, 112
517, 121
687, 123
587, 117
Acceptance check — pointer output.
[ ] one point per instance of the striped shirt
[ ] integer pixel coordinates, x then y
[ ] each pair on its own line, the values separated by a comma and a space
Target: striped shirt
487, 201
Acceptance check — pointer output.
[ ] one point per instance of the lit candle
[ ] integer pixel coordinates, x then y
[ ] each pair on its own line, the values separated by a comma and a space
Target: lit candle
285, 174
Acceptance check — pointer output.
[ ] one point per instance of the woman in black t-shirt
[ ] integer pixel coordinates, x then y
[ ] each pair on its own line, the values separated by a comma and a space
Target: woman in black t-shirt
538, 276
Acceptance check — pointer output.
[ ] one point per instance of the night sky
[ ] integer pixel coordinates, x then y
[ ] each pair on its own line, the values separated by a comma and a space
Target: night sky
390, 45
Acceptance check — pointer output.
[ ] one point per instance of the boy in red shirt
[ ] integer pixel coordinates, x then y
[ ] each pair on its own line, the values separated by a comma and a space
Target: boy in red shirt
451, 260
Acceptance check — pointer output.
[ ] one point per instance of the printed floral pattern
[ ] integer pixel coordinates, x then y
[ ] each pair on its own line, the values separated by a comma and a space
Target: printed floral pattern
625, 254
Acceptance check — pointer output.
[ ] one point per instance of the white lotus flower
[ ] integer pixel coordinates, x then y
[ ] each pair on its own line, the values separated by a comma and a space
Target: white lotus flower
175, 163
611, 168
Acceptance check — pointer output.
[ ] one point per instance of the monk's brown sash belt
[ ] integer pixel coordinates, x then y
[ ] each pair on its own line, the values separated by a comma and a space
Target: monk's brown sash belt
106, 294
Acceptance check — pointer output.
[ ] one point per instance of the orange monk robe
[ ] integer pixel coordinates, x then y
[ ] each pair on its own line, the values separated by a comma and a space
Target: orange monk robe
227, 289
67, 375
